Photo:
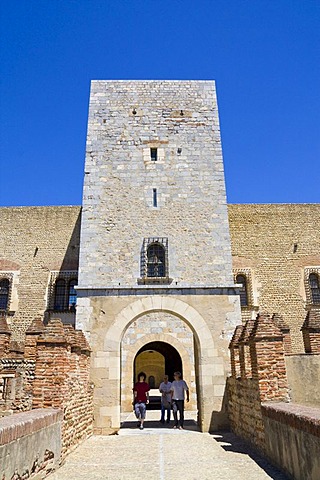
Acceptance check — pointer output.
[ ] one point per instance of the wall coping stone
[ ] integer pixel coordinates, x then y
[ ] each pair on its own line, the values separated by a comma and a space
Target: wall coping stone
298, 416
22, 424
157, 290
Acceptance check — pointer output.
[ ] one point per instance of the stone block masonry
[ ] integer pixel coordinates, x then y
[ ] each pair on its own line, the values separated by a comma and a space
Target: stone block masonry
154, 182
126, 120
258, 400
277, 243
33, 242
277, 272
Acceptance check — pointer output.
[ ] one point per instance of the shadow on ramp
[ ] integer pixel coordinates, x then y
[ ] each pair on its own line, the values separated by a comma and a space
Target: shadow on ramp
189, 425
231, 443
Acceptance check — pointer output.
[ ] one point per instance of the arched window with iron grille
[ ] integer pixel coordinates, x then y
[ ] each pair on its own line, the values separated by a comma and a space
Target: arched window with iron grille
156, 260
314, 288
60, 295
242, 280
72, 295
4, 293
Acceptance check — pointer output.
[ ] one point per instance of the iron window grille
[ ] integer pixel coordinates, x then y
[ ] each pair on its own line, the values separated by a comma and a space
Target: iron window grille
154, 266
312, 285
5, 291
62, 295
242, 280
4, 294
314, 288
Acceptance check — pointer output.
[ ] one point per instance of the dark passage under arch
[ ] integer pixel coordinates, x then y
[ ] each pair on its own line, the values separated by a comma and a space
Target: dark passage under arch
157, 359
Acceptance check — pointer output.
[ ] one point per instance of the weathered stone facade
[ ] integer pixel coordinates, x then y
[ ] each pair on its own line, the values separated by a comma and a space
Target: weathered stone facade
149, 330
278, 245
34, 242
259, 396
180, 119
154, 176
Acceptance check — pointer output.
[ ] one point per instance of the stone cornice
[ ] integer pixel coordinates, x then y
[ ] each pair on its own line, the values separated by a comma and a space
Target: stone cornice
156, 290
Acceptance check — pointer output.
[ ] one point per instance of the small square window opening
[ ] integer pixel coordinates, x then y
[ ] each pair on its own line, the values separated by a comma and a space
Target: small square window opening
154, 154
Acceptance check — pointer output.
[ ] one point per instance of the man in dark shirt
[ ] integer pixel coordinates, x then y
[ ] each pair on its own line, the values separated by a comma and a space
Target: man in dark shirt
141, 398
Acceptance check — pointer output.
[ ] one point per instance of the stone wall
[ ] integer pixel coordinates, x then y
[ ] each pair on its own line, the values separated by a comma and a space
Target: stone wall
210, 314
292, 439
16, 378
34, 242
259, 395
303, 372
30, 444
126, 120
276, 243
262, 240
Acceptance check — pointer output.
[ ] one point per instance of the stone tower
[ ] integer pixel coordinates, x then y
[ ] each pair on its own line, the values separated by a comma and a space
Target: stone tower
155, 276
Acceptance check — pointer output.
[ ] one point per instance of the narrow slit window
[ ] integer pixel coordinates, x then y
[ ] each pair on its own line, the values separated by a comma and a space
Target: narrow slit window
154, 154
155, 198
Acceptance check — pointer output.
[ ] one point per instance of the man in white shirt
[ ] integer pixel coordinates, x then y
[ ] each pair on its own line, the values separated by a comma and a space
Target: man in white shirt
165, 390
178, 388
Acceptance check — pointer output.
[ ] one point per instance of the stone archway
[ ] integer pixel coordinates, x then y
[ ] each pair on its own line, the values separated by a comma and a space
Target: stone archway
156, 359
163, 358
171, 333
115, 356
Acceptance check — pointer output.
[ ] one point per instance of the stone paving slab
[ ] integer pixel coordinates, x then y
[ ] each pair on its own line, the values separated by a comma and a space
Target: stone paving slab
163, 453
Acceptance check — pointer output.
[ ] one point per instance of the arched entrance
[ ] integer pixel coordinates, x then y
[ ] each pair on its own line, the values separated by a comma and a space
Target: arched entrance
157, 343
156, 359
198, 337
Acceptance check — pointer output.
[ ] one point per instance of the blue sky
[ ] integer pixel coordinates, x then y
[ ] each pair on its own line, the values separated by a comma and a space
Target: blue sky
264, 56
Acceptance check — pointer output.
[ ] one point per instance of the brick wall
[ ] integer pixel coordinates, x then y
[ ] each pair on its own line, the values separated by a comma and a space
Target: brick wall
35, 241
53, 373
258, 397
262, 238
260, 364
276, 242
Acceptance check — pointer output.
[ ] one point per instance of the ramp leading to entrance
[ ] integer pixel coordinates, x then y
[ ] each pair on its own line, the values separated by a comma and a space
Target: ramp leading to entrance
163, 454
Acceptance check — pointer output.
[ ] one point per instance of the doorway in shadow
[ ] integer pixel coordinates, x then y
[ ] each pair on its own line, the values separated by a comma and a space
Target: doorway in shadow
156, 359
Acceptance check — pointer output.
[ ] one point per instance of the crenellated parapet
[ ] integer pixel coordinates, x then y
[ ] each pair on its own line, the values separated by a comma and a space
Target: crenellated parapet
51, 370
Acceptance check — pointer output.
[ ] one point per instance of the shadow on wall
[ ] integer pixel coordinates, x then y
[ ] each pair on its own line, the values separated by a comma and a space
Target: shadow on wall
61, 293
231, 443
71, 258
220, 419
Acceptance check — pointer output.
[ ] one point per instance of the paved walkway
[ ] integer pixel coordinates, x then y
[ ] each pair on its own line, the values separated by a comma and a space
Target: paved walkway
161, 453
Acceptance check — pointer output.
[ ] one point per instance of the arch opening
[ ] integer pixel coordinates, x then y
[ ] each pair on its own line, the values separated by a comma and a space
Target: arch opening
156, 359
